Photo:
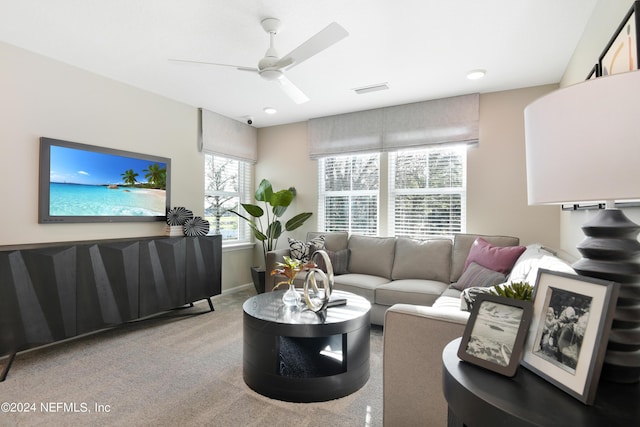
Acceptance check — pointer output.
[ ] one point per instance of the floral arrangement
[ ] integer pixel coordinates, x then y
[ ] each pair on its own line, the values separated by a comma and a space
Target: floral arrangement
289, 268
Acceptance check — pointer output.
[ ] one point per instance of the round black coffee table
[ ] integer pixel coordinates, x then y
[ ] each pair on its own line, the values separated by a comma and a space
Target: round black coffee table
301, 356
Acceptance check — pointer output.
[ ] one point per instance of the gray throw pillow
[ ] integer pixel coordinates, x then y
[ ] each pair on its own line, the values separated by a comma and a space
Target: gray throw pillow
339, 261
478, 276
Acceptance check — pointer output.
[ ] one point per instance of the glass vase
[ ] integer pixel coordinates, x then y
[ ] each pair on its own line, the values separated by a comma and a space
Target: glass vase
291, 297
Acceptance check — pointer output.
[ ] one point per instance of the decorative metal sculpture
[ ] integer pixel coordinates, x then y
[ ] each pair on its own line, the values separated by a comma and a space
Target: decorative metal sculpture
316, 300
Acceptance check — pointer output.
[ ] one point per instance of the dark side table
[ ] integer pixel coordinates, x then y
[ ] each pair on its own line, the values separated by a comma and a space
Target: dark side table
478, 397
302, 356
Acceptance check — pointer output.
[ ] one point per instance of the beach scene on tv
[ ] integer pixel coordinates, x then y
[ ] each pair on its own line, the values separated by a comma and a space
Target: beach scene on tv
88, 183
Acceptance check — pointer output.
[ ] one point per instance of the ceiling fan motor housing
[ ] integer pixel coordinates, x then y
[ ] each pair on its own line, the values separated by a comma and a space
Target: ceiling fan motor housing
271, 74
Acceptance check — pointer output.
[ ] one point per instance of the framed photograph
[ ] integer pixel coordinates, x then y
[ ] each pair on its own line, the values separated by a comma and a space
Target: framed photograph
495, 333
567, 340
621, 54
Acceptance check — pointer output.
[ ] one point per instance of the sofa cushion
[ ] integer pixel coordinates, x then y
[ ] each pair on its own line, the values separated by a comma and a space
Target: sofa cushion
333, 240
477, 275
447, 302
300, 250
451, 292
409, 291
534, 258
427, 259
371, 255
501, 259
359, 284
462, 245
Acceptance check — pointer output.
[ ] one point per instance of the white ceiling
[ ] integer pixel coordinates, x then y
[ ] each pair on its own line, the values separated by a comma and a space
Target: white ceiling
423, 49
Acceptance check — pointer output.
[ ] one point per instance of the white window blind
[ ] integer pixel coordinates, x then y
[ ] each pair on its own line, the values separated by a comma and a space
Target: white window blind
348, 193
427, 192
227, 183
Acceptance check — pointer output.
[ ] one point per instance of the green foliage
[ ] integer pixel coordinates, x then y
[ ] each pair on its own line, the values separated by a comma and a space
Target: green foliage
516, 290
156, 176
275, 205
129, 177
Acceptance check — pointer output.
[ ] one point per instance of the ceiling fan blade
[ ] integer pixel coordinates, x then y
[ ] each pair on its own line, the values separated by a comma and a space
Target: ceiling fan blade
327, 37
292, 90
188, 61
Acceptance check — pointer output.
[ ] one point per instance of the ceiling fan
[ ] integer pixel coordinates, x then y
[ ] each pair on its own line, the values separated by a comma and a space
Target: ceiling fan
272, 68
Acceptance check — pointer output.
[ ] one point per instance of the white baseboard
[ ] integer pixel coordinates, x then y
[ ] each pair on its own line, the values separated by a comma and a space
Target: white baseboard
238, 288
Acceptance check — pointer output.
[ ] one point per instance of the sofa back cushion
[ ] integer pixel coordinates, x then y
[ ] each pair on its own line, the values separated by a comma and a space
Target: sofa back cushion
333, 240
462, 245
371, 255
426, 259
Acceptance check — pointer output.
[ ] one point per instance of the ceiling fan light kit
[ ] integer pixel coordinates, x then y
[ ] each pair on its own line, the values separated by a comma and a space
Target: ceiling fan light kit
272, 68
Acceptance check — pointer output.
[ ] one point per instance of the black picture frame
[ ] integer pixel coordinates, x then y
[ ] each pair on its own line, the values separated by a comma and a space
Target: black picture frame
495, 333
618, 55
594, 73
567, 347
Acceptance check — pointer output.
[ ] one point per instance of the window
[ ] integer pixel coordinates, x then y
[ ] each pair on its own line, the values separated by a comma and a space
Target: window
348, 193
427, 192
227, 183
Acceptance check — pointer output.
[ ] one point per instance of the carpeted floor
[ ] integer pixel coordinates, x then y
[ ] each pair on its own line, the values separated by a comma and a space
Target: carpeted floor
176, 369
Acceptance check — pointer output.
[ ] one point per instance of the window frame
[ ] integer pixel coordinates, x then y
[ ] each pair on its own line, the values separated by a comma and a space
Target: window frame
386, 193
244, 194
393, 192
323, 193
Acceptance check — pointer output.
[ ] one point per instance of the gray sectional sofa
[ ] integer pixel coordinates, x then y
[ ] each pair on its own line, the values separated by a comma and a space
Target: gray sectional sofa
408, 283
394, 270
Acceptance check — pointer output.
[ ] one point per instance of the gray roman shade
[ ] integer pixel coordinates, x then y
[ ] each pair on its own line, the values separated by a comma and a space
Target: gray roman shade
441, 121
227, 137
359, 132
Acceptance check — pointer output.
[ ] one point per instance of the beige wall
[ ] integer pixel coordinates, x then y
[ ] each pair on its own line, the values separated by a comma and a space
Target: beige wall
42, 97
497, 184
283, 159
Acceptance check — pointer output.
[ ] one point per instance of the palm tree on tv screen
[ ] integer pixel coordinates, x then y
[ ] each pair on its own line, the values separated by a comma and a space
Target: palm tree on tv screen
129, 177
156, 176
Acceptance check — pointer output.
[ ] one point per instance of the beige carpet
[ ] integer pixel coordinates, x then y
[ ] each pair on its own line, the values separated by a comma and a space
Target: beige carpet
170, 370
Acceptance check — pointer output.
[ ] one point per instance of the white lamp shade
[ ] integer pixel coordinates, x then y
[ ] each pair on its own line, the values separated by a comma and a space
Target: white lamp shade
583, 142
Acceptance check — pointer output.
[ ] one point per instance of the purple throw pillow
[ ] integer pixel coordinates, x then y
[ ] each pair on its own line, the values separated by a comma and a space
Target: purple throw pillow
496, 258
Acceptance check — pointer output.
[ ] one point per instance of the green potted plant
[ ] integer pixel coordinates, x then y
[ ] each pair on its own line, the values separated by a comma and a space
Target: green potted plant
516, 290
266, 222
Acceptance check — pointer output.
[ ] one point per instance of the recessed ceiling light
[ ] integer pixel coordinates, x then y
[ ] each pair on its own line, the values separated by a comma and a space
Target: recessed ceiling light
476, 74
269, 110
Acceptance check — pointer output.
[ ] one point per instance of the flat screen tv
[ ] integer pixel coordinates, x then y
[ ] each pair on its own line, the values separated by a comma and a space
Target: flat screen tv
85, 183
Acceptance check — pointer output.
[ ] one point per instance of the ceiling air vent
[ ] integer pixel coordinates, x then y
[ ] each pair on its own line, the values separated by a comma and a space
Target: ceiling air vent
371, 88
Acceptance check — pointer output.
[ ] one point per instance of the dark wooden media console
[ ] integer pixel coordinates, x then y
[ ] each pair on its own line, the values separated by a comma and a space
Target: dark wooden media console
54, 291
